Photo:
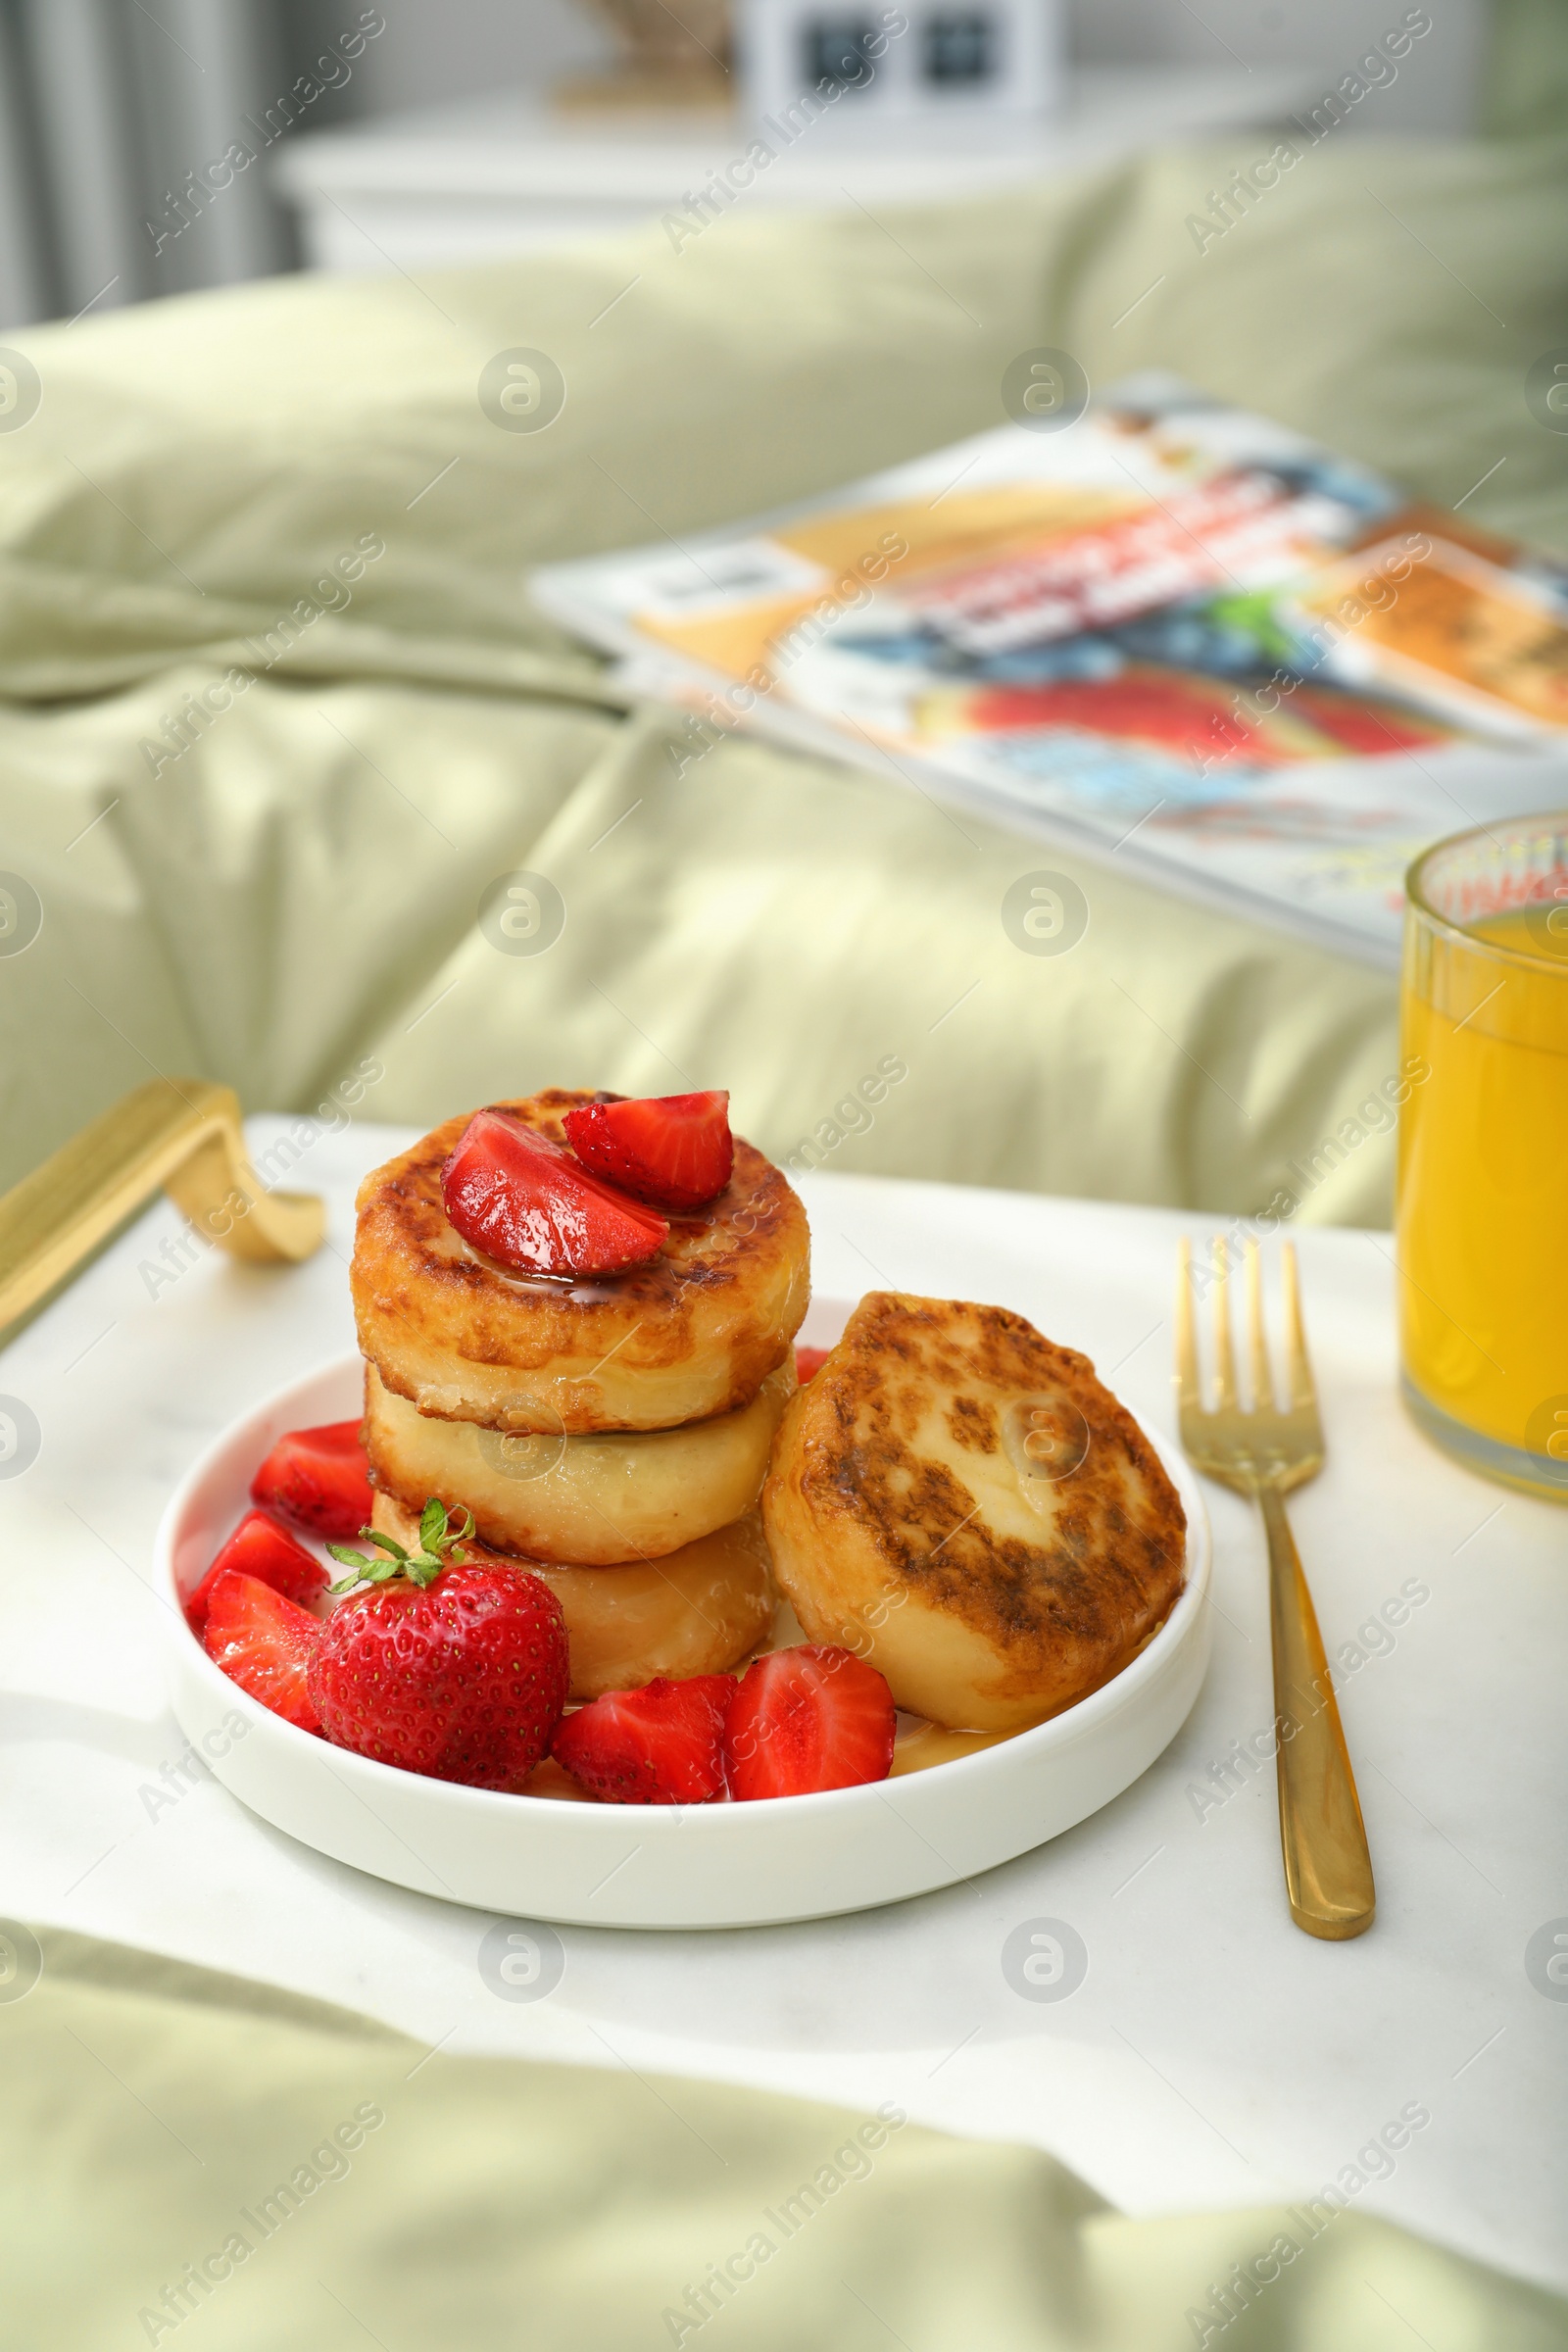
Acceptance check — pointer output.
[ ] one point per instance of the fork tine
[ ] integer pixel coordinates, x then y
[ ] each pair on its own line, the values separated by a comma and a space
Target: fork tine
1300, 1369
1189, 1390
1224, 1360
1257, 1343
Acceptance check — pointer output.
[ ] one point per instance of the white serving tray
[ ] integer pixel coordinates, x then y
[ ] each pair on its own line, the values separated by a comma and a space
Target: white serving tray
649, 1865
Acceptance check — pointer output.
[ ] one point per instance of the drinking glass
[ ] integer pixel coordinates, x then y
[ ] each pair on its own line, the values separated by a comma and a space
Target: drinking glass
1483, 1162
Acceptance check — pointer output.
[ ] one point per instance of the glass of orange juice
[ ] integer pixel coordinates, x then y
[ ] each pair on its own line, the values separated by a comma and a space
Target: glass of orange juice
1483, 1177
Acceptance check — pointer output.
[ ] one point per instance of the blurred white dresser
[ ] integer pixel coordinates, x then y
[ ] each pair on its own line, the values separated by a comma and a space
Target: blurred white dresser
503, 174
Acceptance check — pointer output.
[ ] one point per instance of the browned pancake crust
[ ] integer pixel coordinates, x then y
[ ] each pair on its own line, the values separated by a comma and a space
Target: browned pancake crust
692, 1334
1112, 1565
890, 1493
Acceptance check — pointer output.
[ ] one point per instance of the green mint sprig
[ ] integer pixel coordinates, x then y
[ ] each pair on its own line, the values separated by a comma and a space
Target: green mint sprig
439, 1537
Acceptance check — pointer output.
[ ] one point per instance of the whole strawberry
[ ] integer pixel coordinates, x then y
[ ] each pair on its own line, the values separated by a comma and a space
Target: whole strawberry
457, 1671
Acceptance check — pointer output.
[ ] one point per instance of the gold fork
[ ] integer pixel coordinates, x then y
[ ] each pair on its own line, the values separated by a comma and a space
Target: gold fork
1266, 1450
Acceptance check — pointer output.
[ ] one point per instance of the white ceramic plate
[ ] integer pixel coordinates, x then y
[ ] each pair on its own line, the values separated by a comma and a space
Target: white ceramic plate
622, 1866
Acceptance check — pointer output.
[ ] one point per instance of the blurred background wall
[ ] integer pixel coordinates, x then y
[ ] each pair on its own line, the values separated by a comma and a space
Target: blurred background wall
108, 108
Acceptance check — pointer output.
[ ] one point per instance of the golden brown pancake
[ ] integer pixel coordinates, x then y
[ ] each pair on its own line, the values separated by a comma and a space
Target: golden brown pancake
693, 1332
593, 1502
964, 1504
699, 1611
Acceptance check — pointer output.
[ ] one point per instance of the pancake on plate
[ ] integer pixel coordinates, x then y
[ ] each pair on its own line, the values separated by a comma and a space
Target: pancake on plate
691, 1333
963, 1503
593, 1502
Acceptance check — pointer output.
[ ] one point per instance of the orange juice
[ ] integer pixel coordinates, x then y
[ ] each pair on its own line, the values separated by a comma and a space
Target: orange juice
1483, 1182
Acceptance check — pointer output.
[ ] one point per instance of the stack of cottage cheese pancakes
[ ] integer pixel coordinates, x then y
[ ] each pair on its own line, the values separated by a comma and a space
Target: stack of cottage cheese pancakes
609, 1432
952, 1496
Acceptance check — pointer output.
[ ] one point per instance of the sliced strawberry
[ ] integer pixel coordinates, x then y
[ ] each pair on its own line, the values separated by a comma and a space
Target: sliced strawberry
258, 1548
265, 1644
806, 1719
525, 1200
660, 1745
319, 1479
809, 1361
675, 1150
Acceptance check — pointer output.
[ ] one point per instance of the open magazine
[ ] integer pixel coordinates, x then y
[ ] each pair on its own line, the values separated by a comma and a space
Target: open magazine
1170, 635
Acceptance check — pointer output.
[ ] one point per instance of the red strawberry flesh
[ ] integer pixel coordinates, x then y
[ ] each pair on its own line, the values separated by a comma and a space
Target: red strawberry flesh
807, 1719
526, 1201
264, 1642
317, 1478
660, 1745
462, 1678
258, 1548
675, 1150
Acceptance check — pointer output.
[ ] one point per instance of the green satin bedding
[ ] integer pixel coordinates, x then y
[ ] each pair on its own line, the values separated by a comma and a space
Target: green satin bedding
205, 485
188, 2159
